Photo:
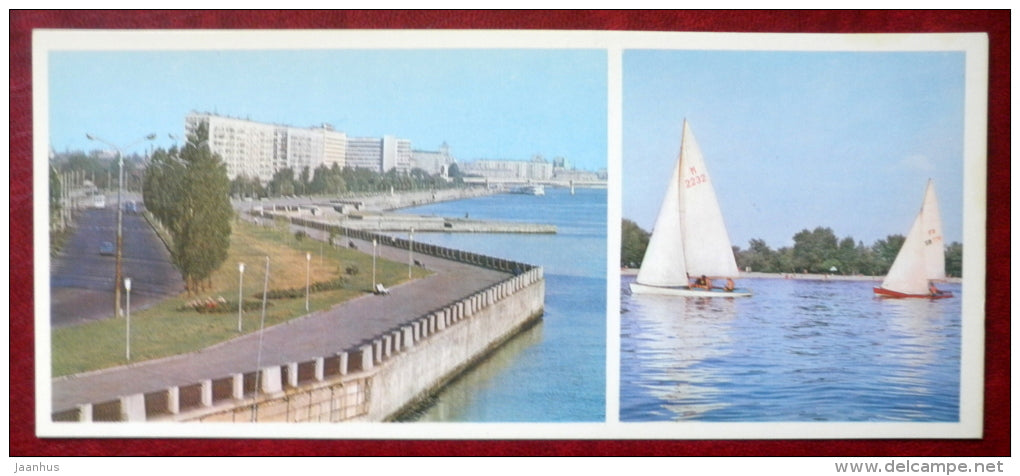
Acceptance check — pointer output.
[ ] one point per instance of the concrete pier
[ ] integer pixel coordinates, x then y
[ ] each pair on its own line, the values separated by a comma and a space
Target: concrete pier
375, 213
425, 223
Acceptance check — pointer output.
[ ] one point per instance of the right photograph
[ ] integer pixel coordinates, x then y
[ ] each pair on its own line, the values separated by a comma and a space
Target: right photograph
792, 236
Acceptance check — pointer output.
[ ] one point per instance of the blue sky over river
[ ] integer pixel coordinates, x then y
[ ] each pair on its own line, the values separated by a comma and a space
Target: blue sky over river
502, 104
799, 139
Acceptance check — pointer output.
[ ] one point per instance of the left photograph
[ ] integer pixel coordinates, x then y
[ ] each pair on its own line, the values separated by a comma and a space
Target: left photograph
250, 234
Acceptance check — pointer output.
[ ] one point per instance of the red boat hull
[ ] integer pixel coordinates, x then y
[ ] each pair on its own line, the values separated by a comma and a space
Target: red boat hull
882, 292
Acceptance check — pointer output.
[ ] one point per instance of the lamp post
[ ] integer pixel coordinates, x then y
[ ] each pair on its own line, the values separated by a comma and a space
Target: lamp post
127, 346
410, 251
120, 212
374, 244
308, 274
240, 294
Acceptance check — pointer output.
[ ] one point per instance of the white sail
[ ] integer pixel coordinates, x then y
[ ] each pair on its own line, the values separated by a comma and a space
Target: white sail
934, 247
707, 248
689, 237
663, 263
922, 257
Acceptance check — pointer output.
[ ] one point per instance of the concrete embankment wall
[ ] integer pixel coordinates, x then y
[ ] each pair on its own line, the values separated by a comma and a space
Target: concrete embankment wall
422, 223
404, 199
480, 324
372, 381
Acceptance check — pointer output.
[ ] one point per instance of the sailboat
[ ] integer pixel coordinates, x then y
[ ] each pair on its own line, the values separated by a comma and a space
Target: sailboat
689, 239
922, 258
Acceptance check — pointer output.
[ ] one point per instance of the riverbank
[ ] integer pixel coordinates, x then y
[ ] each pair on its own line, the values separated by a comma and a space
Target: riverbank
375, 212
364, 359
802, 276
397, 200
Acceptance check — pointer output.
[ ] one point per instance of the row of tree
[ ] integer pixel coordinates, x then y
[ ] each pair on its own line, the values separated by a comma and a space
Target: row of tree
187, 190
813, 251
335, 180
98, 169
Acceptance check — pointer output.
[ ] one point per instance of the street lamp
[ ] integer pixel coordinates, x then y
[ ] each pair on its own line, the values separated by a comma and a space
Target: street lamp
127, 346
120, 212
374, 244
308, 274
410, 251
240, 294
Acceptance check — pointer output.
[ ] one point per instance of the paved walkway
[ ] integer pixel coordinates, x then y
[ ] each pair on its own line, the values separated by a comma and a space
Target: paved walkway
318, 334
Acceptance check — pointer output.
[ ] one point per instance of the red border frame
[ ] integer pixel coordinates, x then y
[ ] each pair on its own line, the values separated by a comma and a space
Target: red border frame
996, 440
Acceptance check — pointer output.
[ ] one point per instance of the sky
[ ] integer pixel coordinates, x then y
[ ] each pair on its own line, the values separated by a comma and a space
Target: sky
503, 104
797, 140
793, 139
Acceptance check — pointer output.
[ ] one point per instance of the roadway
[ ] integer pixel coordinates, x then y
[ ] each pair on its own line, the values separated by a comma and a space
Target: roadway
81, 279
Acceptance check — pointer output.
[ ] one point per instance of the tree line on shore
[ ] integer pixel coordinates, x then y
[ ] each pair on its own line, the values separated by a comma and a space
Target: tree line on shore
102, 172
813, 251
336, 180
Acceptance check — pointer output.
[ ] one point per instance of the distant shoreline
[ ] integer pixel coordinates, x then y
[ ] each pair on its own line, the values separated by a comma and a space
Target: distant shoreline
800, 276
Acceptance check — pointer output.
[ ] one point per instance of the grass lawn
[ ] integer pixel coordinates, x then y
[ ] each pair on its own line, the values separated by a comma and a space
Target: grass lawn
164, 329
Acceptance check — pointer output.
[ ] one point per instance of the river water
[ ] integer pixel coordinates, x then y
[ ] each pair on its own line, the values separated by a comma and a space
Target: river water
556, 370
796, 351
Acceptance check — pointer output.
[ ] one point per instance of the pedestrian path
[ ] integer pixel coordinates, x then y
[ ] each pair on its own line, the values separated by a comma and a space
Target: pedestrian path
319, 333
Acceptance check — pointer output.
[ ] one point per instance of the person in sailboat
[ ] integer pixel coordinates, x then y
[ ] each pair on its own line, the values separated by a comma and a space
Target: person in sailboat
730, 285
934, 291
702, 283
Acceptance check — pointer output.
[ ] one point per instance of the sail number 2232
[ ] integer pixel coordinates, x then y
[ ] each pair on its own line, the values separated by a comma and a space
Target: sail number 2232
694, 178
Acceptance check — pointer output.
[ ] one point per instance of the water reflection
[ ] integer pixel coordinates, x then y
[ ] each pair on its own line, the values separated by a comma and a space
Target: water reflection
554, 372
459, 397
675, 340
795, 351
928, 349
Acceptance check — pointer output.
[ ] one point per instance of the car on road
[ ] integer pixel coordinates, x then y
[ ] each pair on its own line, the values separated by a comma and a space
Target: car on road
106, 248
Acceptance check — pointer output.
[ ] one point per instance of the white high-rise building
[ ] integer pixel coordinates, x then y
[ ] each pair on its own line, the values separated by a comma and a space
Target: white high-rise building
436, 162
380, 154
247, 148
258, 149
535, 169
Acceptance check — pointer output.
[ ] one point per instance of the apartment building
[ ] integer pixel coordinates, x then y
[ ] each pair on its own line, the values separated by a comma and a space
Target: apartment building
258, 149
380, 154
538, 168
433, 162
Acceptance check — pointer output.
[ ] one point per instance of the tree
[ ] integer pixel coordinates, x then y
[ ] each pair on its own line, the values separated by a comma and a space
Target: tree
304, 180
454, 171
245, 186
867, 263
758, 257
954, 259
847, 257
815, 251
56, 205
786, 261
633, 242
162, 186
885, 252
282, 183
191, 195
